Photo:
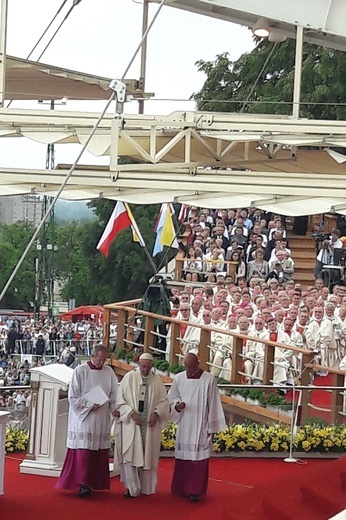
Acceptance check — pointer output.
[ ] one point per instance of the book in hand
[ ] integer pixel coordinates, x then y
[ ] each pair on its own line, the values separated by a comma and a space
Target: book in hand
96, 396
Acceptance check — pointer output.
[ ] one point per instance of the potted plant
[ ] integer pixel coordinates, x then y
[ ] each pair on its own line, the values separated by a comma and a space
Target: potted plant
275, 400
121, 355
174, 369
130, 358
221, 381
255, 395
163, 366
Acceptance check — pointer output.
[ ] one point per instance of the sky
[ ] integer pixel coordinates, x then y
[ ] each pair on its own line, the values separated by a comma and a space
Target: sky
100, 38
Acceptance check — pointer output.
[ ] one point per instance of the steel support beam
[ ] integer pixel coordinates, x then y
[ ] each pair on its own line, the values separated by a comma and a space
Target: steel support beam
3, 37
324, 20
204, 181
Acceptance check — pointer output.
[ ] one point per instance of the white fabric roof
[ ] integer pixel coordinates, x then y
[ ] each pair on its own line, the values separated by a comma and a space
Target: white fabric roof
241, 160
324, 20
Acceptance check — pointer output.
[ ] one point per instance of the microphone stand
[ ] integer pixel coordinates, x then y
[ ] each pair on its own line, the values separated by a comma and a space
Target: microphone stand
294, 418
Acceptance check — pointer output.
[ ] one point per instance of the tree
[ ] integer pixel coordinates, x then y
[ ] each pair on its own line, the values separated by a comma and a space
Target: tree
13, 240
81, 271
249, 84
89, 277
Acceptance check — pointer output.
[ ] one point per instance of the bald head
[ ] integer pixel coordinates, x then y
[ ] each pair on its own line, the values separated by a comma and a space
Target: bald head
191, 364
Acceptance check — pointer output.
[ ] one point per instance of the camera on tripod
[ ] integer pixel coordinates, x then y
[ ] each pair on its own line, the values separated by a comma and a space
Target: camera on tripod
320, 237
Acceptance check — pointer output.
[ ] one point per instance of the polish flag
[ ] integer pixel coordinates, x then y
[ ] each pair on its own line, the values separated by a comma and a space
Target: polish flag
183, 213
118, 221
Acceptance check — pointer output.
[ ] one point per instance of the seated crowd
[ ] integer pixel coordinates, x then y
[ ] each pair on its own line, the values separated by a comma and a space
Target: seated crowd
258, 244
262, 301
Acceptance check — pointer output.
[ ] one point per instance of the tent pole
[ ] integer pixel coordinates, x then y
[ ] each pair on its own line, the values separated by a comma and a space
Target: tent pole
3, 35
298, 71
142, 76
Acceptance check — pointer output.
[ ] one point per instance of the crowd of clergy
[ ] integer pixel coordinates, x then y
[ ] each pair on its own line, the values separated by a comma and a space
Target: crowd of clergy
262, 300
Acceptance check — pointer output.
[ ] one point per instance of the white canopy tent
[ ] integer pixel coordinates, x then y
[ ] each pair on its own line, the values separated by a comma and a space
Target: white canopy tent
291, 165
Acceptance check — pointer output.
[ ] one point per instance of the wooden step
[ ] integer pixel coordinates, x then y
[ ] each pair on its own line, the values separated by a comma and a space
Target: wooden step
304, 277
303, 253
300, 244
304, 264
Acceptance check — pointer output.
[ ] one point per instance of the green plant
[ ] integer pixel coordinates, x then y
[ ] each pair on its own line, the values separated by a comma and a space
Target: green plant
273, 437
221, 381
162, 365
130, 356
175, 368
16, 439
275, 399
156, 363
121, 354
244, 392
255, 394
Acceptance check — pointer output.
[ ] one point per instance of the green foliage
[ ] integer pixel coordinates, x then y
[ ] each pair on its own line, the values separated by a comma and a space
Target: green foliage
264, 398
13, 240
89, 277
162, 365
269, 438
174, 368
229, 84
82, 272
16, 439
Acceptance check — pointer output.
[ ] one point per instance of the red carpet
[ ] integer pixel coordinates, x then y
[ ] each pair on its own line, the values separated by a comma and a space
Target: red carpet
234, 483
315, 494
320, 398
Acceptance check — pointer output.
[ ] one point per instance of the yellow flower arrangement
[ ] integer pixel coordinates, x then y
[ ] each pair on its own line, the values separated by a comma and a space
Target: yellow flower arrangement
16, 440
275, 438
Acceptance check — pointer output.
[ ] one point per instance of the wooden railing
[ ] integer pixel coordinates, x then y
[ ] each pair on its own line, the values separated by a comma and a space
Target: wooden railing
230, 268
127, 314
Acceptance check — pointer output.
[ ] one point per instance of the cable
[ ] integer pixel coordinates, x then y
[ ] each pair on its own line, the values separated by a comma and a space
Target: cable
73, 167
75, 2
47, 28
137, 308
259, 76
186, 100
45, 32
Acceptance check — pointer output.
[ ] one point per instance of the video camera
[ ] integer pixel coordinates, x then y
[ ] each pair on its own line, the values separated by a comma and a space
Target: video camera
320, 237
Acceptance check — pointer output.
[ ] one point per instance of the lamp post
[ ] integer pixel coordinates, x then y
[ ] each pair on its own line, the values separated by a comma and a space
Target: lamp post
51, 249
38, 281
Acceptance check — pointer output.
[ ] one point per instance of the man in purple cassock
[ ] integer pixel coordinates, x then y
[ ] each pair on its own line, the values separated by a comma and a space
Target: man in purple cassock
197, 409
91, 396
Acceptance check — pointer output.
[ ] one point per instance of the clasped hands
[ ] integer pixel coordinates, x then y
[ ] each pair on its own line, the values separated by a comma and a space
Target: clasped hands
137, 420
180, 406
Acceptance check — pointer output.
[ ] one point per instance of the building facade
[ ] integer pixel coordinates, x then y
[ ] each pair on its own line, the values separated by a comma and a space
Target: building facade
16, 208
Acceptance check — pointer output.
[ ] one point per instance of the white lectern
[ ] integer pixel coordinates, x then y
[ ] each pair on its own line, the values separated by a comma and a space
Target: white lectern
4, 417
47, 420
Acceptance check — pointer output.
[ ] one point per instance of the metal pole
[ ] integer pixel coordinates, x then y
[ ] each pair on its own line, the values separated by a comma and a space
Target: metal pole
73, 167
3, 34
142, 76
298, 71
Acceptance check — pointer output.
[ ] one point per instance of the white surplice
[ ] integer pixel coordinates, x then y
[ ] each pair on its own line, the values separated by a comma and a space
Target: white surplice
90, 429
138, 448
202, 416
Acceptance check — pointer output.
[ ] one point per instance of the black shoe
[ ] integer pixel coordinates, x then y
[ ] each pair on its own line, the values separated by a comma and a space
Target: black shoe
128, 495
84, 491
194, 498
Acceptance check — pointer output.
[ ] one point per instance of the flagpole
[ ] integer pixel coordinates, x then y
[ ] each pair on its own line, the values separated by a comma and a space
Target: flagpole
150, 258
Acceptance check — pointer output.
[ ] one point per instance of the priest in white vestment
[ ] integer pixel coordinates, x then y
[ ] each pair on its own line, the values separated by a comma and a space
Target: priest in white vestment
91, 396
196, 407
143, 407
